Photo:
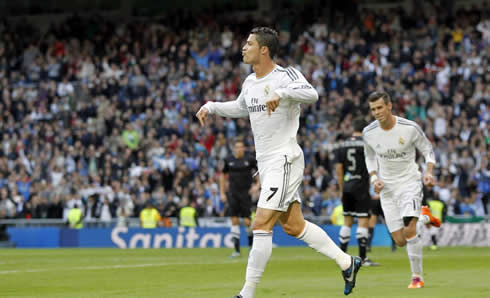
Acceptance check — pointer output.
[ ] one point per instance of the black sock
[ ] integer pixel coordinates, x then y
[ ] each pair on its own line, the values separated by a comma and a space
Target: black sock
236, 241
371, 234
343, 246
362, 247
434, 239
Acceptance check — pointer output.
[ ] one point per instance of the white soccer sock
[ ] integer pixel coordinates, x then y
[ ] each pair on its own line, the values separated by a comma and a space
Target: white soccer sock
414, 250
420, 227
425, 219
362, 233
257, 259
344, 234
317, 239
235, 231
362, 238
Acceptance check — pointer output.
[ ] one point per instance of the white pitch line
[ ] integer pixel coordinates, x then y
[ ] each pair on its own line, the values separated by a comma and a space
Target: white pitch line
4, 272
99, 267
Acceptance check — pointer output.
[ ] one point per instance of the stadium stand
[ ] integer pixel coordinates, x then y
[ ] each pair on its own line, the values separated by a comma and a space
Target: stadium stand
100, 112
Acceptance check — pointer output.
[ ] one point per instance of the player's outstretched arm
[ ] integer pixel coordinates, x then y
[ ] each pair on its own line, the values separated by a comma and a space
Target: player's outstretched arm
232, 109
296, 88
202, 115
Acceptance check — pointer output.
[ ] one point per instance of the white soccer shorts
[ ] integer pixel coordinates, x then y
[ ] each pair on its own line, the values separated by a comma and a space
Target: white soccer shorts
399, 201
280, 180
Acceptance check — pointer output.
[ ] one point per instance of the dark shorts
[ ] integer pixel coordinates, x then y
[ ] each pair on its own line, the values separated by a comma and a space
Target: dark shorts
376, 208
240, 205
356, 204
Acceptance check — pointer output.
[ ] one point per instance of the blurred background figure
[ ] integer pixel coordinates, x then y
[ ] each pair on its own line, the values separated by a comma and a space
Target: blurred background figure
149, 216
75, 217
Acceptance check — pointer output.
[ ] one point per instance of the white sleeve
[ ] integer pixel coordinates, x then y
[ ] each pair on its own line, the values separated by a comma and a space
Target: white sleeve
232, 109
370, 157
424, 145
296, 88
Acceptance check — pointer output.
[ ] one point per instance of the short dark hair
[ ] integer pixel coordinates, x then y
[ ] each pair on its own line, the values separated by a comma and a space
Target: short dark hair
238, 140
359, 124
379, 94
267, 37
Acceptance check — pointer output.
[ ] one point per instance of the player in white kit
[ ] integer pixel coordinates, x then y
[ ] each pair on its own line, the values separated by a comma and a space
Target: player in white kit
271, 98
389, 144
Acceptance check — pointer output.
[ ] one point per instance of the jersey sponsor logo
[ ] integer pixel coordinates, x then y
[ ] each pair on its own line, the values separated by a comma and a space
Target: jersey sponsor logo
349, 177
393, 154
349, 143
256, 107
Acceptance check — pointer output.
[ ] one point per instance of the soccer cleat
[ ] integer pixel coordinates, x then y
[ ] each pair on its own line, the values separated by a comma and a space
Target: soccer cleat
368, 263
238, 296
350, 274
416, 283
436, 222
434, 247
235, 254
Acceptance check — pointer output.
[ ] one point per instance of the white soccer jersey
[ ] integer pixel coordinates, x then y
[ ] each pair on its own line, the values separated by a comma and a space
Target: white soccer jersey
274, 135
392, 152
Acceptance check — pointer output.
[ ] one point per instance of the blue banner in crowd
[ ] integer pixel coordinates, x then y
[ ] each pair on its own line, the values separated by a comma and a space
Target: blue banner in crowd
124, 237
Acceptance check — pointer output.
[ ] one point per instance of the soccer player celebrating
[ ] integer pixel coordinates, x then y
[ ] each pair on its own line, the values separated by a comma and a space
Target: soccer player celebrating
389, 144
271, 98
353, 181
239, 168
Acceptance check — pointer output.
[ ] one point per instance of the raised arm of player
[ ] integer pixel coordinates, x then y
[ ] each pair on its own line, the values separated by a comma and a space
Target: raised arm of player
232, 109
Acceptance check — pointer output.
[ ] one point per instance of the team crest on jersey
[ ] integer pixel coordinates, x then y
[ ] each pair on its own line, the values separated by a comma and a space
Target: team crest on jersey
401, 141
267, 89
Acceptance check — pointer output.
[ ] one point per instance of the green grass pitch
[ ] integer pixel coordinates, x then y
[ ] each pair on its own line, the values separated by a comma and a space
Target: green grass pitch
291, 272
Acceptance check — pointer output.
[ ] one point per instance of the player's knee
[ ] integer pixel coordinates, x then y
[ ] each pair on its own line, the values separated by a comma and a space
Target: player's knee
292, 230
399, 238
400, 242
258, 225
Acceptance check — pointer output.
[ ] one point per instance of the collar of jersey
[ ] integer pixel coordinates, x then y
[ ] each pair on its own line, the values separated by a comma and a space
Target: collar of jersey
264, 77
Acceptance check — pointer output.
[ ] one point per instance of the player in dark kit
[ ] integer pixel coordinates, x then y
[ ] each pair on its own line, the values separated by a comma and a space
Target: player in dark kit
239, 168
353, 180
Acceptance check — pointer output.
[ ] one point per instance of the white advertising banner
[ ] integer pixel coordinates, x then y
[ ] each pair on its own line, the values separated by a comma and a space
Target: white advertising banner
455, 234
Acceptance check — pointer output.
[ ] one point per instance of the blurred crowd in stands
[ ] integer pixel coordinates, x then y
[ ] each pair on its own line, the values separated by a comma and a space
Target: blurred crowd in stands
100, 113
